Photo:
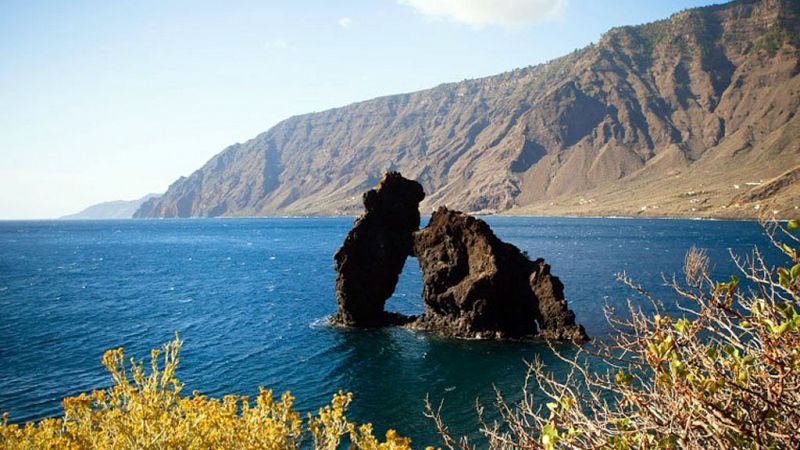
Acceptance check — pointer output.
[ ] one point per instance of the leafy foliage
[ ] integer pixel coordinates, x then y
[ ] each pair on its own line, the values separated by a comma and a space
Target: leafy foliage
146, 410
774, 39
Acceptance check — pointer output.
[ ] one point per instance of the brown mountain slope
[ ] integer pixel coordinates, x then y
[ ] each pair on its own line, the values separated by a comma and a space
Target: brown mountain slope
686, 116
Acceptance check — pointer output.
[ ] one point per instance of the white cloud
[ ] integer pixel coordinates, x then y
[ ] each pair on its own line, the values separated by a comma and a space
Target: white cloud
345, 22
276, 43
480, 13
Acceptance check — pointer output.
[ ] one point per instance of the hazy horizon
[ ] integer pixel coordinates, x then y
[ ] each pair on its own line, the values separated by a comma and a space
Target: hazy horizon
107, 102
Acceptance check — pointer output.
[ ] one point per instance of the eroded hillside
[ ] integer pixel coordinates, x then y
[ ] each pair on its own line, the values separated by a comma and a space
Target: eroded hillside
693, 115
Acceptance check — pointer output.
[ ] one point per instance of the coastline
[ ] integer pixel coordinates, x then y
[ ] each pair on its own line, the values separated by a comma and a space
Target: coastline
353, 216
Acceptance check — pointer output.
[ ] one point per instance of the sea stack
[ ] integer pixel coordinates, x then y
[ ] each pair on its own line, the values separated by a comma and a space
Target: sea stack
475, 285
369, 262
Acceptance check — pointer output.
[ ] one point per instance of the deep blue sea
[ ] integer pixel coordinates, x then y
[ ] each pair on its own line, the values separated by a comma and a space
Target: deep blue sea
250, 296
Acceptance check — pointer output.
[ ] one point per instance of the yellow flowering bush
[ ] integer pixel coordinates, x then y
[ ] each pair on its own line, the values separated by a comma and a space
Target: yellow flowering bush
147, 411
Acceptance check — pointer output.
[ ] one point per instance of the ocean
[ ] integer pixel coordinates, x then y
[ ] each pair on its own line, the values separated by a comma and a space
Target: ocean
250, 297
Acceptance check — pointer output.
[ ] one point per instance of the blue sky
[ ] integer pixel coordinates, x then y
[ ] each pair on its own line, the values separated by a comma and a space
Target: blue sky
112, 100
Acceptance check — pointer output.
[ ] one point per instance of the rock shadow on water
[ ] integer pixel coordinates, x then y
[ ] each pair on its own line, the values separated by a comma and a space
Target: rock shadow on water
392, 371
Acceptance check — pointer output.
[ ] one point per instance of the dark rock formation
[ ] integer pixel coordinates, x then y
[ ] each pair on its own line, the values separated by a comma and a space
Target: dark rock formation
476, 285
370, 261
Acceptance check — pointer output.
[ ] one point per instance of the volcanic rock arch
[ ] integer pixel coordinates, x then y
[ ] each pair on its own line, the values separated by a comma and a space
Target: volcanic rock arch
475, 285
369, 262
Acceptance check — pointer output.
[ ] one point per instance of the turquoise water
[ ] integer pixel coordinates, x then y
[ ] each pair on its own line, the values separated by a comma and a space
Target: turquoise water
249, 297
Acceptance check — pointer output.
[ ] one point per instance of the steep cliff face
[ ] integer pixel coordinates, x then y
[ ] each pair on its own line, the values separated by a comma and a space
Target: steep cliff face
683, 117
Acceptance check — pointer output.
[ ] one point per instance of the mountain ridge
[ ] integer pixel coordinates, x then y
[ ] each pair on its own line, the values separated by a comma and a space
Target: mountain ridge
115, 209
675, 114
